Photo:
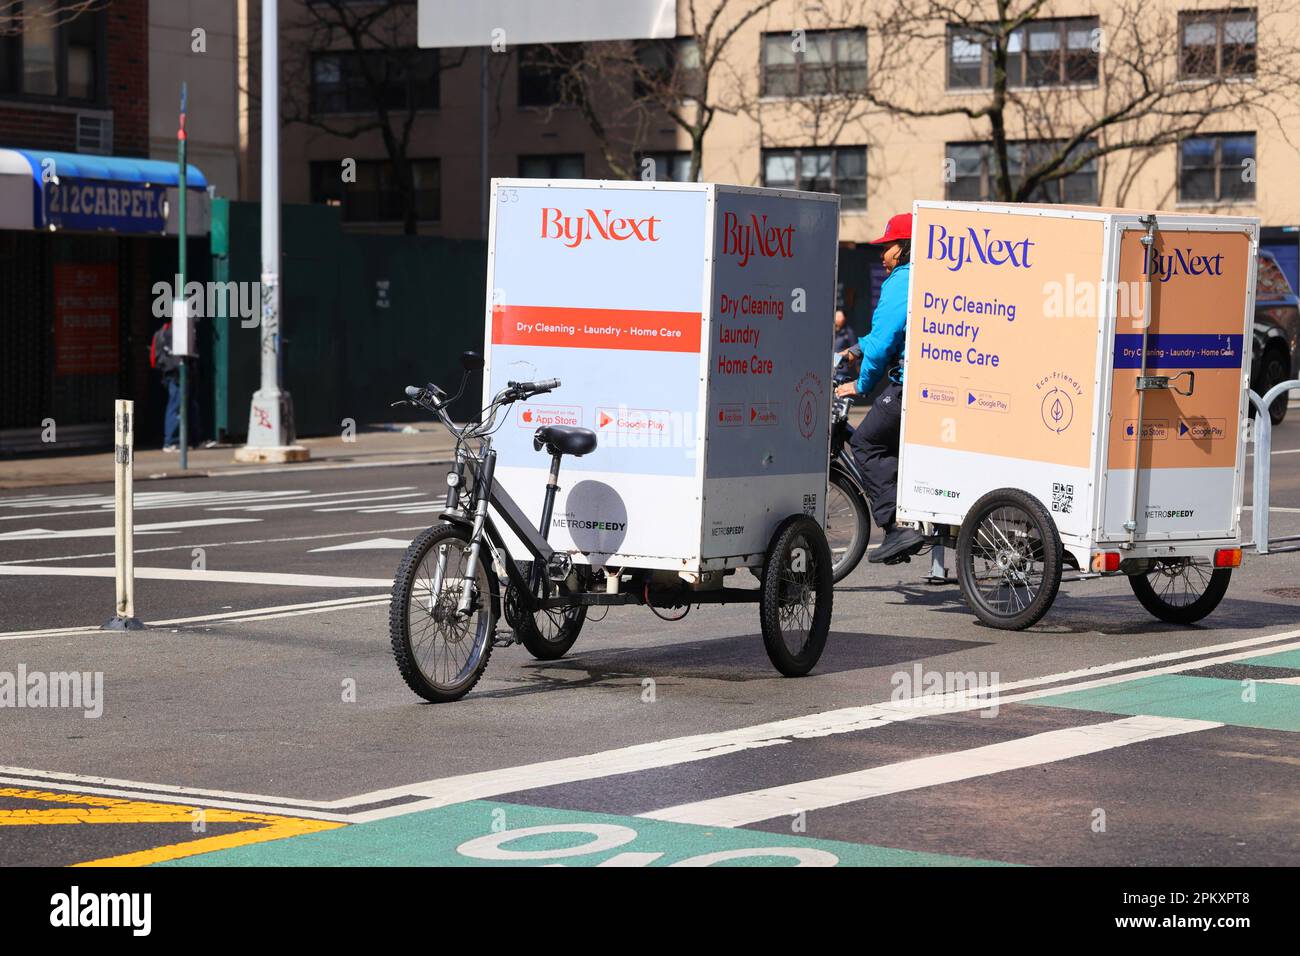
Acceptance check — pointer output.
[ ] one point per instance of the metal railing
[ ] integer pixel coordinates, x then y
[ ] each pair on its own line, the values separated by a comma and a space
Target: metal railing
1263, 466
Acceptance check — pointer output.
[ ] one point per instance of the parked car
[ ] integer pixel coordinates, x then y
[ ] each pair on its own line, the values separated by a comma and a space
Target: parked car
1277, 333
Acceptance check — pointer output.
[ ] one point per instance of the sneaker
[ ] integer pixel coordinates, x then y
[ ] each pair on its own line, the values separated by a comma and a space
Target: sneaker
899, 543
211, 444
170, 449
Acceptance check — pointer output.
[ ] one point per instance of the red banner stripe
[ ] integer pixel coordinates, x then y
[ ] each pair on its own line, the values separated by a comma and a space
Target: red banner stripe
563, 327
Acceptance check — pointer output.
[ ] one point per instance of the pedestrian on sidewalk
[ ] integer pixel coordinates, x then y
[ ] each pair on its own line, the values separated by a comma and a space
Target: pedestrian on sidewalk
168, 365
846, 345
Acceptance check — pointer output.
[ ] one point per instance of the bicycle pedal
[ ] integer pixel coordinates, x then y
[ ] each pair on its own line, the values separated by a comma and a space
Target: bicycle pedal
559, 566
504, 638
901, 559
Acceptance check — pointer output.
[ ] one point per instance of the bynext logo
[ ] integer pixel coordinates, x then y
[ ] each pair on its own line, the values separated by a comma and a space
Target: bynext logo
574, 230
959, 250
1182, 262
755, 238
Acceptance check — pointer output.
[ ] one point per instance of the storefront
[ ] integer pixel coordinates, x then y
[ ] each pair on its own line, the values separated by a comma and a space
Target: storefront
83, 240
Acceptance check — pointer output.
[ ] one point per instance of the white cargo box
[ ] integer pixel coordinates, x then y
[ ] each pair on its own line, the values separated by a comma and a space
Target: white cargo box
1023, 358
691, 328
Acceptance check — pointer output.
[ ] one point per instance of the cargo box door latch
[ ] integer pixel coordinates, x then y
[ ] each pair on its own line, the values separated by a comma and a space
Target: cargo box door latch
1148, 383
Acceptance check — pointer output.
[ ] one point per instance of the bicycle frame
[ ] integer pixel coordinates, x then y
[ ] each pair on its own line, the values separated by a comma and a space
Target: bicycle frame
476, 517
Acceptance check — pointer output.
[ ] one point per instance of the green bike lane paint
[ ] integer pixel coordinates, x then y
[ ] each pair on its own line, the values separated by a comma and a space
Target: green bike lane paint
484, 832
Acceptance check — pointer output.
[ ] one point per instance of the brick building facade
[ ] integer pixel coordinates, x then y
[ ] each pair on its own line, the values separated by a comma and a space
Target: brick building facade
76, 315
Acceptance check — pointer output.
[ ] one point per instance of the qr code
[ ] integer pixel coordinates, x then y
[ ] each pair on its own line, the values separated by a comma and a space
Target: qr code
810, 504
1062, 497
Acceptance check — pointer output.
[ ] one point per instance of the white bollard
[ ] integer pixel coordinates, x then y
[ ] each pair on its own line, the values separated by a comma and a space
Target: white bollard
124, 618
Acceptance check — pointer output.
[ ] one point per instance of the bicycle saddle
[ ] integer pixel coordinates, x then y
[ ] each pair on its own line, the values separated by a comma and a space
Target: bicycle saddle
565, 440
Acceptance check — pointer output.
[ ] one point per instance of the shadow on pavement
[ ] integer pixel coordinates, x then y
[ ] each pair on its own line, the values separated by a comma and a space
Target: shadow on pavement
739, 659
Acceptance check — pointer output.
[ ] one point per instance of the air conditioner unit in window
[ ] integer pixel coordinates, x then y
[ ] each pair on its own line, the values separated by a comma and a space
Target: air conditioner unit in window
95, 133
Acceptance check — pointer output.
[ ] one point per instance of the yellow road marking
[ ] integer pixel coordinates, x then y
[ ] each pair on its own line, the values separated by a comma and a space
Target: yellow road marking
92, 809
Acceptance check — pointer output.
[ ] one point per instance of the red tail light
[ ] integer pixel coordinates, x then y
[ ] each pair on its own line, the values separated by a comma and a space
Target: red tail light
1227, 558
1105, 561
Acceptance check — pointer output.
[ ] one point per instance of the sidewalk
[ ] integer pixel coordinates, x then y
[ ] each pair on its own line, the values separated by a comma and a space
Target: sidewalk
370, 448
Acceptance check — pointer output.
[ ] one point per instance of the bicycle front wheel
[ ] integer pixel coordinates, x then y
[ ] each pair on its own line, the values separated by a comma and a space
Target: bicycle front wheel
441, 652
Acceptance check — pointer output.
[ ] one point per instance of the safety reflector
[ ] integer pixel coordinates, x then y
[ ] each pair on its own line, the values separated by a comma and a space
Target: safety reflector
1227, 558
1105, 561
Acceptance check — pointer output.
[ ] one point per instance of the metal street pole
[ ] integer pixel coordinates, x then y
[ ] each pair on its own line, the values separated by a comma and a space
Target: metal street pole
178, 299
271, 433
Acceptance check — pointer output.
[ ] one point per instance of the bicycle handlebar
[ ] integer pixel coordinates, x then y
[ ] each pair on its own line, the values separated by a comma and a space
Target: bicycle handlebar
435, 400
517, 390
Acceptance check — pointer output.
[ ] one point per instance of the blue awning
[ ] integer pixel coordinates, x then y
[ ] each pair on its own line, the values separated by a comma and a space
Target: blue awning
95, 193
117, 169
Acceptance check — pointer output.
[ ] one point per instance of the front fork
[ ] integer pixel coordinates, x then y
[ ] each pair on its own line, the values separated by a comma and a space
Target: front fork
482, 496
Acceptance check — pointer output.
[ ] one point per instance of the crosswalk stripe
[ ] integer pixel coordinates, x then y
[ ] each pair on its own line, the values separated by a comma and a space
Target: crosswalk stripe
160, 527
314, 504
1055, 745
208, 576
380, 509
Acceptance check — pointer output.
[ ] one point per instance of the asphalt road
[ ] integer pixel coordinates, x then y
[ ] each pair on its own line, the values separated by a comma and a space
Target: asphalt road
260, 718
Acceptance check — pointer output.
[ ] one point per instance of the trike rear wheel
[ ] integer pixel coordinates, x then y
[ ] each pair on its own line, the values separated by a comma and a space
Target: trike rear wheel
547, 634
1009, 559
440, 654
1181, 591
797, 591
848, 525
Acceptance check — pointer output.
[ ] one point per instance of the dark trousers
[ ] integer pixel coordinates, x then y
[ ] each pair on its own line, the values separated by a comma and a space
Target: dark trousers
172, 417
875, 449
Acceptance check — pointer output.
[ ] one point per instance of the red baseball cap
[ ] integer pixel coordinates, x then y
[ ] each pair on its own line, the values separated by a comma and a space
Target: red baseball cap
898, 227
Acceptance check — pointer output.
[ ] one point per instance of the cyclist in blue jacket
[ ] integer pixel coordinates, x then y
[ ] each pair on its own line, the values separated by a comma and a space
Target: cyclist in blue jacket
875, 440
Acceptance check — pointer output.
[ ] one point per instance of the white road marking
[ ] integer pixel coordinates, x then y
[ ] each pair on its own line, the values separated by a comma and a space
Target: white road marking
325, 498
206, 576
437, 503
161, 527
445, 791
221, 544
180, 795
740, 809
345, 466
372, 544
145, 501
1288, 681
664, 753
215, 500
231, 617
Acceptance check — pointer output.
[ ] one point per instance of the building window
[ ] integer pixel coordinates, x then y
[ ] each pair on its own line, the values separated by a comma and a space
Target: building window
1054, 52
842, 170
405, 79
546, 73
1217, 168
54, 52
566, 166
374, 196
832, 61
669, 167
973, 173
668, 66
1217, 43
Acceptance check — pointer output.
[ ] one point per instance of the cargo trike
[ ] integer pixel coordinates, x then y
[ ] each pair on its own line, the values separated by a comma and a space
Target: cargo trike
689, 325
1076, 397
